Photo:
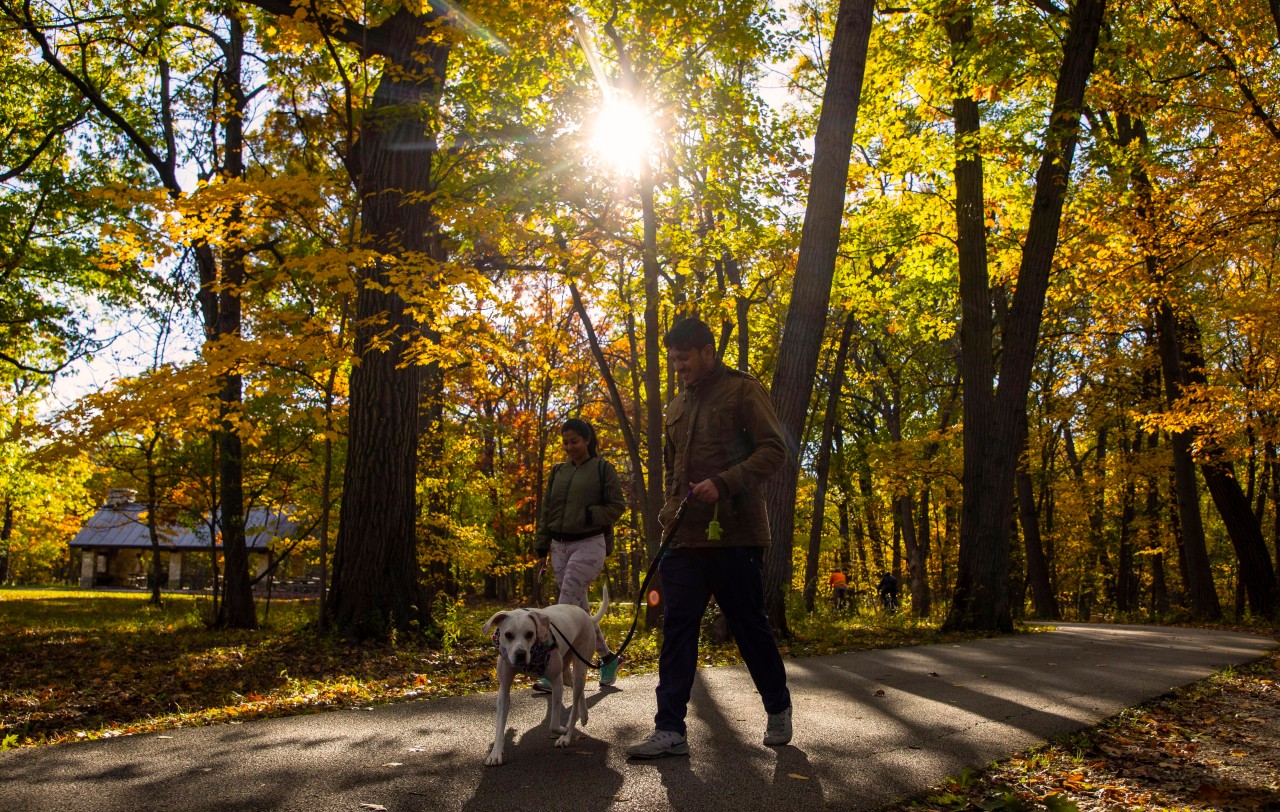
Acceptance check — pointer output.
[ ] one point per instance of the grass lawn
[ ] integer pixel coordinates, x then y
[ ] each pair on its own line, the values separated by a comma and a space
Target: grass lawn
83, 665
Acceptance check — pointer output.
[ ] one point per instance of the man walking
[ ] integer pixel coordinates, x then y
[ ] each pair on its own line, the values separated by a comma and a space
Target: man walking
723, 440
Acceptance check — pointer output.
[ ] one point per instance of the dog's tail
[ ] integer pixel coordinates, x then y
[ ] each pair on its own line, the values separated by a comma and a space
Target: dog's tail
604, 604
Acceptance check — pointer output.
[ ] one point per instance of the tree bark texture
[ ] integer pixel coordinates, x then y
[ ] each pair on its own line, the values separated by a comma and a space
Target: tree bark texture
1043, 600
237, 610
806, 319
981, 598
375, 568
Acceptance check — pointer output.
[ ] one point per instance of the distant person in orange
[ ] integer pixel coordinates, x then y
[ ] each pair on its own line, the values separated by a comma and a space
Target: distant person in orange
839, 588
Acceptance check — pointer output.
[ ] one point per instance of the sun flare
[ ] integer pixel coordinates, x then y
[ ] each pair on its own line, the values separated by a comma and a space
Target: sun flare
622, 135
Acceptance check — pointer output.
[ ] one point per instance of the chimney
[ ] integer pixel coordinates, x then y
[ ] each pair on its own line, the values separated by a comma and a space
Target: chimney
120, 496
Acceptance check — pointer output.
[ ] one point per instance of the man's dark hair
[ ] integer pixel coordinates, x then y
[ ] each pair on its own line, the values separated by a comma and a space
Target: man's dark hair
691, 333
583, 429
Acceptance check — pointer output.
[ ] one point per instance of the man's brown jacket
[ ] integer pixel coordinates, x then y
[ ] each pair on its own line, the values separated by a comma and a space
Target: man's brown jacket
722, 428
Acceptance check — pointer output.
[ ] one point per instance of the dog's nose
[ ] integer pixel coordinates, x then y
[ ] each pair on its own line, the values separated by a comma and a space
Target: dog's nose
521, 656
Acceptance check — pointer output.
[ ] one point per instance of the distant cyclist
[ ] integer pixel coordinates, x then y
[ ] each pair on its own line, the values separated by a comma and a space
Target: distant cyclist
839, 588
888, 589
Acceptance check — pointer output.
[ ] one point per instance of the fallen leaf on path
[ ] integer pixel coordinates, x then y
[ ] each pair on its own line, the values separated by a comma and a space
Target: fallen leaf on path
394, 764
374, 807
1208, 793
800, 777
880, 692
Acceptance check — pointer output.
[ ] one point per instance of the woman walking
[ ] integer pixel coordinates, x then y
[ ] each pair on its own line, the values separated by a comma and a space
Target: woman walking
582, 501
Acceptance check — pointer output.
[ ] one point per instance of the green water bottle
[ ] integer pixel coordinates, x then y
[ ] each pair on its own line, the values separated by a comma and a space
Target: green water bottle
713, 527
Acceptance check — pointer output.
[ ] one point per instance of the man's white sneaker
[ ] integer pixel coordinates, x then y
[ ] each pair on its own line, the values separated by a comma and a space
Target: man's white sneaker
778, 731
660, 743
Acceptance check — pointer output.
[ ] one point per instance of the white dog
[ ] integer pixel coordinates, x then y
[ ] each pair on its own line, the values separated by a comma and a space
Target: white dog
536, 641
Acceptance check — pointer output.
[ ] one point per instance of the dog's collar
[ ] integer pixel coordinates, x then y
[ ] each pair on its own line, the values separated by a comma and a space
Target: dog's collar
539, 655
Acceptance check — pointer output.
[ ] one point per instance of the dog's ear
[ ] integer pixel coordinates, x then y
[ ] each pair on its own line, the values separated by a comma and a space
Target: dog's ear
496, 620
541, 622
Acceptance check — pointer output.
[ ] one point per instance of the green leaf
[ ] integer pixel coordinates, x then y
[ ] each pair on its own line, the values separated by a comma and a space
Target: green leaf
1059, 803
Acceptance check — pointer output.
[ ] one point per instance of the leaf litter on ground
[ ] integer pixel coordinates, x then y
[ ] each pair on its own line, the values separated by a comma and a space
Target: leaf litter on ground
1213, 745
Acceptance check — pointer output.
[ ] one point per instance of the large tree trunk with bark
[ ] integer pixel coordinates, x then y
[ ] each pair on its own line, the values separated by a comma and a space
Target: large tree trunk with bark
375, 568
806, 319
981, 598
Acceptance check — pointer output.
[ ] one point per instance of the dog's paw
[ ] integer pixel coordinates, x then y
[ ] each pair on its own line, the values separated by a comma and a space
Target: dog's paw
494, 759
565, 740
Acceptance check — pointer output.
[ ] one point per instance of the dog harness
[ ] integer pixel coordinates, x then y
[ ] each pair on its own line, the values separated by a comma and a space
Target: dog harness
539, 656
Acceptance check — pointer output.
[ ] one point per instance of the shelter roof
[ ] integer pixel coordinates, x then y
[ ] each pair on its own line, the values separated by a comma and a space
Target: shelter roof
123, 526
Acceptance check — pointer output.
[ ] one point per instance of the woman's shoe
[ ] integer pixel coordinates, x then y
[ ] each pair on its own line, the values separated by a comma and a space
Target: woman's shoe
609, 671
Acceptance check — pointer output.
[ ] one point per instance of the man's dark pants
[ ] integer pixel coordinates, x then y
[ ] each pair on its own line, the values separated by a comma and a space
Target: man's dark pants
734, 575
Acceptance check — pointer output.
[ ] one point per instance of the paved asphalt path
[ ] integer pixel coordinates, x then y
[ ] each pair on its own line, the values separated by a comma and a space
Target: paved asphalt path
871, 728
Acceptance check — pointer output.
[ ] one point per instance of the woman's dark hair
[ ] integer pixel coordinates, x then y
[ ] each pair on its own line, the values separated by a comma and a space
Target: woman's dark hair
583, 429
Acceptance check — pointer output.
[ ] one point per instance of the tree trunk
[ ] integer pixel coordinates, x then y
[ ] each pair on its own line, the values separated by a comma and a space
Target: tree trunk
875, 534
653, 400
375, 568
1127, 599
1096, 503
1193, 555
806, 319
921, 594
1256, 572
6, 533
981, 599
916, 552
153, 520
237, 610
326, 492
1274, 462
159, 150
654, 437
822, 465
977, 323
1042, 597
1201, 593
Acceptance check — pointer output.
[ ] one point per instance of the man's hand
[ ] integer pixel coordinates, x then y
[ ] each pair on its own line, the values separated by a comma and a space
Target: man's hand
542, 566
704, 491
